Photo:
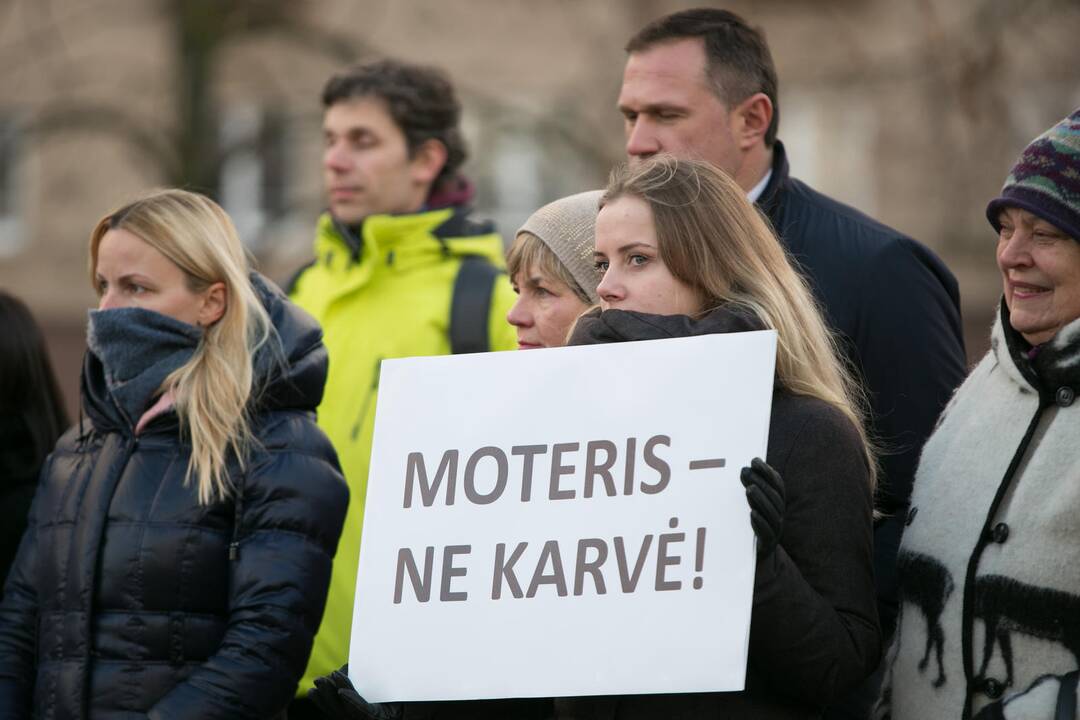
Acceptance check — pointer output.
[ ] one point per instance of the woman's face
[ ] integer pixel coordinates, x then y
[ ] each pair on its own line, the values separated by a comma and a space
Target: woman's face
132, 273
628, 256
1040, 271
544, 311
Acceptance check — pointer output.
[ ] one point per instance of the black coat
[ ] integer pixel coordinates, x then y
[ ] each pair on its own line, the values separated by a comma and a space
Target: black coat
18, 479
126, 597
813, 630
896, 309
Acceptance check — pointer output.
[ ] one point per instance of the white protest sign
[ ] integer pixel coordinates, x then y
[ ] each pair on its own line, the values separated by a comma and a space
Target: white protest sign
562, 522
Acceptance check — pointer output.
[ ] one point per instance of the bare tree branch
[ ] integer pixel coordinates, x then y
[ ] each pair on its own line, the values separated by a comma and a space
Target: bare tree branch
340, 47
155, 146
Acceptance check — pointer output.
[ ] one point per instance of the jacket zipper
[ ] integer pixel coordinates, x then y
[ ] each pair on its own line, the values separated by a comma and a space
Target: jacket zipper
367, 400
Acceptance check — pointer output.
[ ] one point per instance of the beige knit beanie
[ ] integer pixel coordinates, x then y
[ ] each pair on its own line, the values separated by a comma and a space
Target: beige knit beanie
568, 226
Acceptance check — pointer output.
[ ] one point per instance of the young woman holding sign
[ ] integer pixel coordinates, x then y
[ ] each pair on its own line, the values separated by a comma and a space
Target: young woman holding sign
683, 252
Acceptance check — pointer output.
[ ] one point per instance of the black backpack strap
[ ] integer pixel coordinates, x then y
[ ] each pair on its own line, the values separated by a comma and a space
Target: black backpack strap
290, 286
470, 306
1066, 703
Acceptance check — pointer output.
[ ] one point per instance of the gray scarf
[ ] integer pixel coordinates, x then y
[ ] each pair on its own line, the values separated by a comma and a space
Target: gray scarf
138, 349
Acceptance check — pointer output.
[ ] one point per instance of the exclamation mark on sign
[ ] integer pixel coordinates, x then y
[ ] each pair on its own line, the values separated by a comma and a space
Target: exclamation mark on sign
699, 558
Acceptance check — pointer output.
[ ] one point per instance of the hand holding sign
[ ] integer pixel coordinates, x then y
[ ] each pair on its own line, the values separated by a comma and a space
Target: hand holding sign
532, 542
336, 697
765, 493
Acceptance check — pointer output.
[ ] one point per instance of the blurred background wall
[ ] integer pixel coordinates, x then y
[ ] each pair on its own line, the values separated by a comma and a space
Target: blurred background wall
912, 111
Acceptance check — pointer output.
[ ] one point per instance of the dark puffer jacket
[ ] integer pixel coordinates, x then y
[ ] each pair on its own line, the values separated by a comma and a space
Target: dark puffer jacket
129, 598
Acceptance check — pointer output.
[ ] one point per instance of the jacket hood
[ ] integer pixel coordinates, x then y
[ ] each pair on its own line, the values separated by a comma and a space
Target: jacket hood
297, 382
290, 368
606, 326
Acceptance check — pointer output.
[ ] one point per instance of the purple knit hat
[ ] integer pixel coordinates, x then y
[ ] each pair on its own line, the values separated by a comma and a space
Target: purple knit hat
1046, 179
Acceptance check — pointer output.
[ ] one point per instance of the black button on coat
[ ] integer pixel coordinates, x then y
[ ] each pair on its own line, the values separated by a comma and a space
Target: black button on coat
123, 601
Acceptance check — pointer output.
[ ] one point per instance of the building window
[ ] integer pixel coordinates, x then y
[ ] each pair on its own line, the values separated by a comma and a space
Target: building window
11, 230
253, 170
524, 164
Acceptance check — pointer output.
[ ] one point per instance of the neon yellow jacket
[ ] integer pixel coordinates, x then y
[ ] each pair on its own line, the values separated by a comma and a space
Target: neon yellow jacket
393, 302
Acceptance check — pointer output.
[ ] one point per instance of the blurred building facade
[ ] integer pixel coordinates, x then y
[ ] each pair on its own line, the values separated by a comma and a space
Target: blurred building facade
912, 112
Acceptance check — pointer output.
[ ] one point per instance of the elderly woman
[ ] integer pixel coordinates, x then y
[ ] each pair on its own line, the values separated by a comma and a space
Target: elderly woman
552, 270
990, 616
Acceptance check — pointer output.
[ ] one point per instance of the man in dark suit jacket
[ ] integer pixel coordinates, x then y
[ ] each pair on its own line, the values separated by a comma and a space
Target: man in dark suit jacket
702, 84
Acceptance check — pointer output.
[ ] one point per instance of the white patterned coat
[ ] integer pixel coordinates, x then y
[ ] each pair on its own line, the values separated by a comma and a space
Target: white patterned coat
988, 566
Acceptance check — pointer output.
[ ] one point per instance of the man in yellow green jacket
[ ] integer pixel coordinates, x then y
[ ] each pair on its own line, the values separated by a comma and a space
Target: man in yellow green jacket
400, 270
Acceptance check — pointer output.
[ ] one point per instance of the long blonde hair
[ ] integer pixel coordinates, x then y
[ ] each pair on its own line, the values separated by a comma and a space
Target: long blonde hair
213, 388
711, 238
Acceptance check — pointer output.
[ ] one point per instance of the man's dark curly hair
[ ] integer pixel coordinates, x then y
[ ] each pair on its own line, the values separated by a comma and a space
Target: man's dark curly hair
420, 99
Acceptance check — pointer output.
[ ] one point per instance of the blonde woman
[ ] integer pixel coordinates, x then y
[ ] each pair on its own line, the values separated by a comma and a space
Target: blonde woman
682, 253
179, 547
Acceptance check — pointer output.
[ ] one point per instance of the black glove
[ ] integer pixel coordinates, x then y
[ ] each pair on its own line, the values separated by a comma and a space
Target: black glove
993, 711
336, 697
765, 493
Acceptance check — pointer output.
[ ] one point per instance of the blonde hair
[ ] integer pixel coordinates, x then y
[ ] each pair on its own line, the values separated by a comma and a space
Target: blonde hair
712, 239
213, 388
529, 253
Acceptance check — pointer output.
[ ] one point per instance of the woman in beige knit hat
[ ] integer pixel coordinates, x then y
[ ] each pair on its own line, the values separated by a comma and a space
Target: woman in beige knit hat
552, 269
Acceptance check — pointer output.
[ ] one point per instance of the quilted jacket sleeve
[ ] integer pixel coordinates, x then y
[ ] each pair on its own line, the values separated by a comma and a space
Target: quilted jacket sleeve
291, 512
18, 628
